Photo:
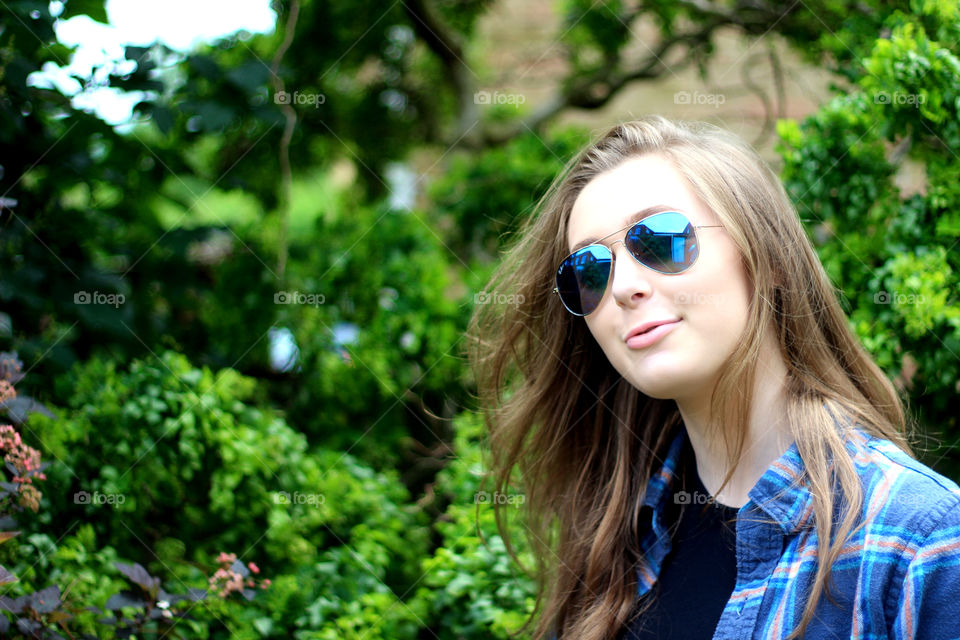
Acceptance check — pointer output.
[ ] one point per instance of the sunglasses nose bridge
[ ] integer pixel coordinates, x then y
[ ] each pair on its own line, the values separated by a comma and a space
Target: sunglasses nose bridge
623, 285
636, 259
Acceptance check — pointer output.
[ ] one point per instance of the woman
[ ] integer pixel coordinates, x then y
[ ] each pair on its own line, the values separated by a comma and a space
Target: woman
705, 448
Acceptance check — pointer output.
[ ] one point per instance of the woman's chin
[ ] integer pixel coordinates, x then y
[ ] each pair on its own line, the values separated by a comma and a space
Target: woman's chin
663, 385
660, 390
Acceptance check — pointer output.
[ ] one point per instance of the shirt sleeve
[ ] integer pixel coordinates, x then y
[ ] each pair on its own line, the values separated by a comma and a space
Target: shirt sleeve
929, 603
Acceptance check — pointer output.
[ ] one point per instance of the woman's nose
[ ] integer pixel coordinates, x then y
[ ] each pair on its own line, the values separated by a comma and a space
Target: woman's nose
631, 280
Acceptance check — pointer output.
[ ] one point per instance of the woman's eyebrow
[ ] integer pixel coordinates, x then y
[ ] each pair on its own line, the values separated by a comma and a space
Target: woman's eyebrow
629, 220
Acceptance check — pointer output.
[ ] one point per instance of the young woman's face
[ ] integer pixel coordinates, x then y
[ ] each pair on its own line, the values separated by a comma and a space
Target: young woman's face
706, 306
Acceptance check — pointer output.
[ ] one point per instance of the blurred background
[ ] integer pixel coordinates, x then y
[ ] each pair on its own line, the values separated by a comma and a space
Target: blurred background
240, 243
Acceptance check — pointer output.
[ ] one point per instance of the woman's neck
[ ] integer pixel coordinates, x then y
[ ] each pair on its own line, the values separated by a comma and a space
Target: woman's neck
767, 435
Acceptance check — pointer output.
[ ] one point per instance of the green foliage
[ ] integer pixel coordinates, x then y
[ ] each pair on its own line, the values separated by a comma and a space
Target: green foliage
76, 560
74, 220
471, 586
180, 459
38, 562
843, 182
408, 315
595, 32
342, 595
484, 196
182, 453
107, 599
891, 250
38, 607
915, 78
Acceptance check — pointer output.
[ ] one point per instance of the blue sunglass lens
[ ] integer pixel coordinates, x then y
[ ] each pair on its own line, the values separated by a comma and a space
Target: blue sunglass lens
582, 279
665, 242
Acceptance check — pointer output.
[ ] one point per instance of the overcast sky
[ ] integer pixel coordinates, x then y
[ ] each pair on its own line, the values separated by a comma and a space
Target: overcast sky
180, 24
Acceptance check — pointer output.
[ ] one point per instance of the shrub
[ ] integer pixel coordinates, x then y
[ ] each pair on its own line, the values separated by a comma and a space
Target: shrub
471, 586
875, 171
169, 464
374, 393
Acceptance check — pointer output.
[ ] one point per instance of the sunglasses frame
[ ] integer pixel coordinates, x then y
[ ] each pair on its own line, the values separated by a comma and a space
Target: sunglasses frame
613, 256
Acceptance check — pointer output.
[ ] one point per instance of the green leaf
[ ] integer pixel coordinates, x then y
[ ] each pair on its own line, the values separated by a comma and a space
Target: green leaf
96, 9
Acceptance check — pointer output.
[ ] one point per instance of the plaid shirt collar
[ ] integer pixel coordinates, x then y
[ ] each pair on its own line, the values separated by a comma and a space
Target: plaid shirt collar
781, 491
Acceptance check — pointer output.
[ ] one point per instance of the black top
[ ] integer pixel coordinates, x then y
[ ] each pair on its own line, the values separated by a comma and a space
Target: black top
699, 573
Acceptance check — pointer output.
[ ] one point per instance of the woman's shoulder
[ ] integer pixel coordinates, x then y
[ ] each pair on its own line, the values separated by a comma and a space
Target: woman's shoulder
900, 491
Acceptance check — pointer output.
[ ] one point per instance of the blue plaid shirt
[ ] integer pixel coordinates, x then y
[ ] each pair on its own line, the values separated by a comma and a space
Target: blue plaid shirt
897, 577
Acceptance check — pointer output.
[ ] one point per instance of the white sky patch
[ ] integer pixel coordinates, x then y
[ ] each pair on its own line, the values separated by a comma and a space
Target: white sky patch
181, 25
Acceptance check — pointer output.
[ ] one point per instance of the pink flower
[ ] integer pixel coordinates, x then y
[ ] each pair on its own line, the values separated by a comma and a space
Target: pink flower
7, 392
25, 461
225, 580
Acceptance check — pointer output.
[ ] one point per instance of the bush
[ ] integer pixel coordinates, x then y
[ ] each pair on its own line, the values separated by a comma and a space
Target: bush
471, 586
169, 464
886, 239
374, 393
186, 455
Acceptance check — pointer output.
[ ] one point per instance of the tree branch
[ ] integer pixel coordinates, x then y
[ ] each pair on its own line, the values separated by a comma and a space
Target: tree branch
768, 110
591, 90
595, 90
290, 122
447, 45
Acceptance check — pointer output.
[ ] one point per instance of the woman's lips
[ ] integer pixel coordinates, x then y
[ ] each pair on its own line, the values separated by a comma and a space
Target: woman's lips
643, 340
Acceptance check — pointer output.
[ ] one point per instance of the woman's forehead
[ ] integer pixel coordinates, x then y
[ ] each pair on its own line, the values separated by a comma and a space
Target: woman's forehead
644, 184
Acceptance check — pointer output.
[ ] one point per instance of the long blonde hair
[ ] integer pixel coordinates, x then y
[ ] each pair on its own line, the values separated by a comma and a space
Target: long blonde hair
584, 441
